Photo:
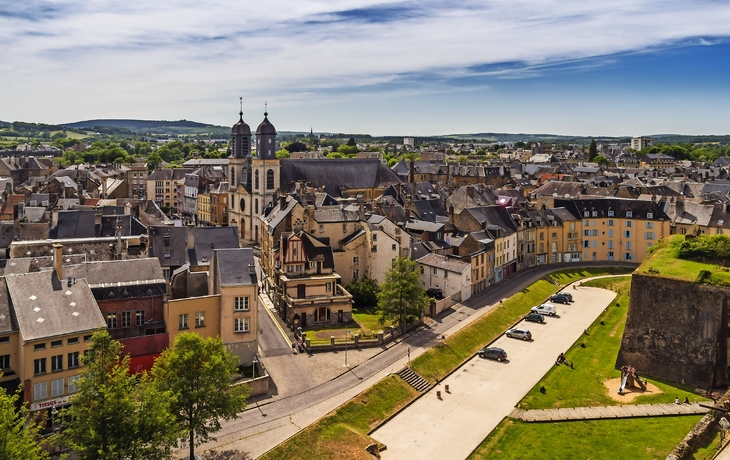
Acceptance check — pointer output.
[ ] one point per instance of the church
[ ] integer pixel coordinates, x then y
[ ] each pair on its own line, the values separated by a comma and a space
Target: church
256, 181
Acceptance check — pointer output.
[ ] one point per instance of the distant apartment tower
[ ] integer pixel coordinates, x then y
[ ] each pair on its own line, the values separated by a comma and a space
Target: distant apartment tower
641, 142
409, 142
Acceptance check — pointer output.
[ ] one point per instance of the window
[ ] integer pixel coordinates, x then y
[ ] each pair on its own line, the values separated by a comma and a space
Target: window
610, 233
200, 319
182, 321
39, 366
73, 341
594, 213
344, 228
73, 384
610, 222
240, 304
629, 224
650, 225
375, 237
555, 236
392, 247
629, 214
166, 273
649, 215
289, 268
610, 244
321, 228
270, 179
56, 363
628, 245
40, 391
328, 287
56, 387
542, 236
56, 343
649, 235
684, 231
627, 234
586, 244
4, 362
355, 261
610, 213
435, 271
554, 247
586, 213
355, 274
256, 182
39, 346
240, 325
586, 223
594, 232
375, 248
87, 338
628, 256
586, 233
111, 320
73, 360
139, 317
5, 339
126, 319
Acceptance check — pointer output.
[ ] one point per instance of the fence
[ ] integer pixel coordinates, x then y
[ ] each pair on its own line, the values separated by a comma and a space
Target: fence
437, 306
383, 338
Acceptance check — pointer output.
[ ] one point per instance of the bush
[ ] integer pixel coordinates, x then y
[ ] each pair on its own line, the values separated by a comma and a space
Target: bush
705, 248
364, 292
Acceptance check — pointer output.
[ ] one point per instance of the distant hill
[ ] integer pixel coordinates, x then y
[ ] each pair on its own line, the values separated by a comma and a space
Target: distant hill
137, 125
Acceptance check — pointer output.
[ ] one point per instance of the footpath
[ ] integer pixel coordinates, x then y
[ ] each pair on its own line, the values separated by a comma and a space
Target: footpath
601, 412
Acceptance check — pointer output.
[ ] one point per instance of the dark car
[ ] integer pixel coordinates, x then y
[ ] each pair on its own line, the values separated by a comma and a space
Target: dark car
492, 353
560, 298
535, 318
435, 293
567, 294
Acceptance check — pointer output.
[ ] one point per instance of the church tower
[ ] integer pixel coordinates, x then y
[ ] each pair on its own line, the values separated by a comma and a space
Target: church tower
265, 169
240, 160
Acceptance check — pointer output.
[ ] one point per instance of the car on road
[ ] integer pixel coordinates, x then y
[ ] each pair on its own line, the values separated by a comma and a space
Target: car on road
492, 353
545, 309
519, 333
560, 298
535, 318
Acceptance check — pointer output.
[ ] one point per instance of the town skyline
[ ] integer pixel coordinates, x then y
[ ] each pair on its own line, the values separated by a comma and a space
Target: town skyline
618, 69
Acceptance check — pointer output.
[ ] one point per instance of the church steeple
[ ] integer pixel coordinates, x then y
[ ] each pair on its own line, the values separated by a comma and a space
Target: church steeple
240, 136
266, 138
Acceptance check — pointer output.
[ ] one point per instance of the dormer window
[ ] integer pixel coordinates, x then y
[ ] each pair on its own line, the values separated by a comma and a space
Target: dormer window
649, 215
586, 213
610, 213
594, 214
629, 214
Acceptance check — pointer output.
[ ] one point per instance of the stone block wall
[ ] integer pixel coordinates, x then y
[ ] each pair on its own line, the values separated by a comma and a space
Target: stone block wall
677, 331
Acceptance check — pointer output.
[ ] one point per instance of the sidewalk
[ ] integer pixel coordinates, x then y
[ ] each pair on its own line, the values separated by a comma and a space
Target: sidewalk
612, 412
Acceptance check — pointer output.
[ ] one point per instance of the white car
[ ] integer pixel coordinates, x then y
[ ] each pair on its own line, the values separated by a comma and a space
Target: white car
519, 333
545, 309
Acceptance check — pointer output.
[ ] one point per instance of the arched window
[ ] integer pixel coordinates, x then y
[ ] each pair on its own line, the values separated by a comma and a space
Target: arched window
233, 176
256, 180
270, 179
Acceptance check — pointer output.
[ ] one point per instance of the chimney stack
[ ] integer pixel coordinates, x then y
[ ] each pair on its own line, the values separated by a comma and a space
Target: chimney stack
282, 201
58, 260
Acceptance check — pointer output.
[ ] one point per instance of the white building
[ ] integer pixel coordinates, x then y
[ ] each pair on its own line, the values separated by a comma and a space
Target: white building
641, 142
446, 273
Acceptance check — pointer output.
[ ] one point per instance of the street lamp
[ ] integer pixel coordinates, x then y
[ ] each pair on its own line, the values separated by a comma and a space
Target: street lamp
255, 362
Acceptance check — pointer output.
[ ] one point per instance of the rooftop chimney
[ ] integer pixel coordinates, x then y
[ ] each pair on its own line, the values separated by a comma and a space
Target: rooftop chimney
58, 260
282, 201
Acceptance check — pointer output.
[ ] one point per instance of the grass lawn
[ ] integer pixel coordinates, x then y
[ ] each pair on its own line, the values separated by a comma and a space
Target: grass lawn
583, 386
664, 258
636, 438
709, 448
343, 433
368, 318
439, 361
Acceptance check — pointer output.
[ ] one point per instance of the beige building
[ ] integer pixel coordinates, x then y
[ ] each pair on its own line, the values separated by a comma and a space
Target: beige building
162, 184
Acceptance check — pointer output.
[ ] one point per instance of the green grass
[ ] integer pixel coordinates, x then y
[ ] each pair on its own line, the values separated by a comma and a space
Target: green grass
368, 319
439, 361
343, 433
594, 364
708, 449
665, 259
637, 438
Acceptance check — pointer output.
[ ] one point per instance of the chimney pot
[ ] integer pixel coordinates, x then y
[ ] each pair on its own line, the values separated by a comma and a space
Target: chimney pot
58, 260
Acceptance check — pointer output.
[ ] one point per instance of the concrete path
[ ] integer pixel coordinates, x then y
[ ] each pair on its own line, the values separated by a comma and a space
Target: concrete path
482, 392
600, 412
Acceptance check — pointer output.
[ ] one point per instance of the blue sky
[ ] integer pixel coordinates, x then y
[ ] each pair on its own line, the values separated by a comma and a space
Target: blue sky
624, 67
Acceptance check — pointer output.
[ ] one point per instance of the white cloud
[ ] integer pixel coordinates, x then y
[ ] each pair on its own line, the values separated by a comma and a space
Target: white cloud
67, 60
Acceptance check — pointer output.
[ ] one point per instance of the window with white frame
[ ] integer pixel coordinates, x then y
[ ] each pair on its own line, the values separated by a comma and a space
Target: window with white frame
56, 387
73, 383
650, 225
200, 319
240, 325
241, 304
126, 319
435, 270
73, 360
355, 261
182, 321
328, 287
40, 391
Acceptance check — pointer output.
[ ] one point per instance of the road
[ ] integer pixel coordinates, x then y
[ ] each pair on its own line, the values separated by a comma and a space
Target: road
482, 392
305, 389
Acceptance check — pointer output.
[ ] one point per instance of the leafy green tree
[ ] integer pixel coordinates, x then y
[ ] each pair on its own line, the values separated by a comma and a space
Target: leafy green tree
18, 431
283, 153
401, 297
364, 292
114, 415
198, 371
592, 150
351, 142
603, 161
153, 161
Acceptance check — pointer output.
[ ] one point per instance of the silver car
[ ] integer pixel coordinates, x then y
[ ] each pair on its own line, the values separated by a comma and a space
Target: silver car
519, 333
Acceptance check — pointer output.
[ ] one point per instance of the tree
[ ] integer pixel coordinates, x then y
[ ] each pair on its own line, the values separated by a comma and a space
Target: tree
18, 431
198, 371
364, 292
351, 142
401, 297
114, 415
153, 161
592, 150
601, 160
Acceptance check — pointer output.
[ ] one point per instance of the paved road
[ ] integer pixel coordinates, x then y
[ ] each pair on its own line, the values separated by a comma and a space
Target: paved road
483, 392
305, 389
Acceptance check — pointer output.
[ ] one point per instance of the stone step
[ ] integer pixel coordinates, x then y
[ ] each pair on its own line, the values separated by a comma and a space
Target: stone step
413, 379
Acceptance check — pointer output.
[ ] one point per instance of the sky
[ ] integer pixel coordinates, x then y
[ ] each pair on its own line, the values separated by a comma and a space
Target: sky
611, 68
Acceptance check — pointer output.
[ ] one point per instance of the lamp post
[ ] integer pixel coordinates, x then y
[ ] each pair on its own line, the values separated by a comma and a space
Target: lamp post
255, 362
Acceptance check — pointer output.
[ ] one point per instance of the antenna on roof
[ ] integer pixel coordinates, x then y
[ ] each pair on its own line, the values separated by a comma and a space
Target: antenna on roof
266, 109
240, 101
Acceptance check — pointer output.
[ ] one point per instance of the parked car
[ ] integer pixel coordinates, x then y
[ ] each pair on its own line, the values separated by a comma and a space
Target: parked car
560, 298
519, 333
435, 293
535, 318
492, 353
545, 309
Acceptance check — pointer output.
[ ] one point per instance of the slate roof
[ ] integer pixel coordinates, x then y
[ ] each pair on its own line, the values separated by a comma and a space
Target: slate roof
277, 215
47, 307
169, 245
75, 224
446, 263
130, 226
169, 174
114, 272
352, 237
335, 214
496, 218
8, 322
638, 208
336, 174
208, 239
232, 266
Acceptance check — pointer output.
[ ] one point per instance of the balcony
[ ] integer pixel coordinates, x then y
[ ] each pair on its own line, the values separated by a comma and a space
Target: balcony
340, 295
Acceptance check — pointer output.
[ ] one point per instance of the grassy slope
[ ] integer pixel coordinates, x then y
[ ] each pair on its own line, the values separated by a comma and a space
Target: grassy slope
638, 438
343, 433
664, 258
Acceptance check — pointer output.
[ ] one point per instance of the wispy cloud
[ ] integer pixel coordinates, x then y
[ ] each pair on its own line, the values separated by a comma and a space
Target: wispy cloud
141, 58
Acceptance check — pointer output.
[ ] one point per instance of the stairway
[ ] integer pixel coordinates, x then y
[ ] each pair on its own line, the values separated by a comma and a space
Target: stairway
413, 379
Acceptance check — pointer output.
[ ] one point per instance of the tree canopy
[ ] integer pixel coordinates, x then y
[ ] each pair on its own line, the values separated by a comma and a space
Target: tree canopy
198, 372
592, 150
401, 297
18, 431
